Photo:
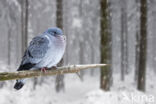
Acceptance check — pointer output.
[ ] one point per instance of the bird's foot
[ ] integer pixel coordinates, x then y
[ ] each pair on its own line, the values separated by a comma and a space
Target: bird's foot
43, 69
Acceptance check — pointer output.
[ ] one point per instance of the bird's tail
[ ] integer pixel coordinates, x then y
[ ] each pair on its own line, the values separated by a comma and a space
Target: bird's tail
19, 84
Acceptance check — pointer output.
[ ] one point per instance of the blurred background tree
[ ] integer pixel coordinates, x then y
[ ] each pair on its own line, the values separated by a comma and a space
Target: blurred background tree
142, 46
59, 23
124, 39
105, 78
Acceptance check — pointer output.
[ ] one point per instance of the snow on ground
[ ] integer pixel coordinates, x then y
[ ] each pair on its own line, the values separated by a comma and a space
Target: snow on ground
124, 92
78, 92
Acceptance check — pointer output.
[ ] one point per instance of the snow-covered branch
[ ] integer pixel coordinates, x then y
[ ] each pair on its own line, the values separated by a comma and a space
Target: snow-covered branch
35, 73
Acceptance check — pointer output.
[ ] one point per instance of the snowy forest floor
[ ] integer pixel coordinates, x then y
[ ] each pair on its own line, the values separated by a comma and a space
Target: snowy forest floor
81, 92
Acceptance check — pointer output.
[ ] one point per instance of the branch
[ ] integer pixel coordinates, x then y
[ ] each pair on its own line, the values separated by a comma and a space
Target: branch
35, 73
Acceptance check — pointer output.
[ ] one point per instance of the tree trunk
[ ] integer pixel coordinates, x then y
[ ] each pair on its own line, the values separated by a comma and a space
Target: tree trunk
24, 28
24, 24
9, 46
81, 53
59, 22
137, 50
124, 40
143, 46
59, 13
105, 81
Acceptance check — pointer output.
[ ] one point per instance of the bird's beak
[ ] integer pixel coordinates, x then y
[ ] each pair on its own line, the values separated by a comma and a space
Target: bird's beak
61, 36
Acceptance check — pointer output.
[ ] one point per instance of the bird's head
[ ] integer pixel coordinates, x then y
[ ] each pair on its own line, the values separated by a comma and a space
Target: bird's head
54, 31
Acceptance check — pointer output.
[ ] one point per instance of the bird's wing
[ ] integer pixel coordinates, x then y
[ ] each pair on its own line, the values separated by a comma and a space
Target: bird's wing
35, 52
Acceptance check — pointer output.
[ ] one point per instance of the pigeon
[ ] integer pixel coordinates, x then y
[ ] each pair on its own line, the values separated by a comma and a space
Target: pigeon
44, 51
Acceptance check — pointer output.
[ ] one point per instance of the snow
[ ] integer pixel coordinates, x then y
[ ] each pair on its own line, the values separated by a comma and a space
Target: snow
118, 97
81, 92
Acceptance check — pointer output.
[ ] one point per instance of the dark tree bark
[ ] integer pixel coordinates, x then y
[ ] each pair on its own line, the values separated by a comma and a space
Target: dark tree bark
143, 46
59, 22
124, 40
105, 80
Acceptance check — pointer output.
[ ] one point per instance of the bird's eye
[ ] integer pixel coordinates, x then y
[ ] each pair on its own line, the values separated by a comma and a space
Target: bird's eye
54, 32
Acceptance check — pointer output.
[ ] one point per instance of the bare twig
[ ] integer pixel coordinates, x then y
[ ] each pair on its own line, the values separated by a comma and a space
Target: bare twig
35, 73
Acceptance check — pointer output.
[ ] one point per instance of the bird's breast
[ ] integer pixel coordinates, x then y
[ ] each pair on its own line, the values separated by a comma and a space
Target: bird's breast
56, 51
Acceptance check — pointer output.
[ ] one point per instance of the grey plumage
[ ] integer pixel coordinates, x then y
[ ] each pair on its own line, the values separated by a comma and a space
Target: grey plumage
36, 51
45, 50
